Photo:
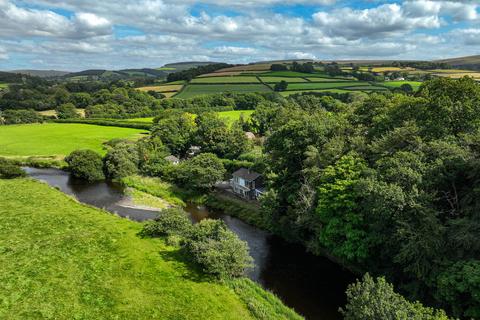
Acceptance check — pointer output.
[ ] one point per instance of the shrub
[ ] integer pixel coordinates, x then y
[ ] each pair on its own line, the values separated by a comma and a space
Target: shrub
8, 170
170, 222
21, 116
218, 250
85, 164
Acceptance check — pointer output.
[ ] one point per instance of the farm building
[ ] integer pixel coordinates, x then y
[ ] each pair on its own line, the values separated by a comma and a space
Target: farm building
247, 183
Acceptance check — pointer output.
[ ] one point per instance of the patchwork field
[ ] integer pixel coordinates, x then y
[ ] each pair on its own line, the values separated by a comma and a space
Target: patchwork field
63, 260
233, 79
164, 88
58, 138
249, 67
289, 93
194, 90
278, 79
325, 85
318, 79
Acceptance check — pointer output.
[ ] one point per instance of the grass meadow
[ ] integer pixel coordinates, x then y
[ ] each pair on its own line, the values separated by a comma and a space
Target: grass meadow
278, 79
64, 260
325, 85
58, 138
228, 79
397, 84
228, 116
194, 90
3, 85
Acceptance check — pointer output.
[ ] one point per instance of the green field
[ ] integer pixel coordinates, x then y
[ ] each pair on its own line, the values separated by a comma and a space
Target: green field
325, 85
3, 85
289, 93
278, 79
63, 260
293, 74
233, 79
229, 116
194, 90
317, 79
57, 138
397, 84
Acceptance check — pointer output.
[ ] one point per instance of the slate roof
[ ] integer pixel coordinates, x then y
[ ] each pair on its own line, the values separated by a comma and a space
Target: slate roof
247, 174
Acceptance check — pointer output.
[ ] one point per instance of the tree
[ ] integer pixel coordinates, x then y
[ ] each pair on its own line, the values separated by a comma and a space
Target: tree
67, 111
85, 164
407, 88
176, 131
121, 161
200, 172
170, 222
278, 67
280, 86
342, 228
375, 299
217, 249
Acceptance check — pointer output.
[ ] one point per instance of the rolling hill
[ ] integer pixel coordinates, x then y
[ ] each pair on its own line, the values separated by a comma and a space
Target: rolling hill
468, 63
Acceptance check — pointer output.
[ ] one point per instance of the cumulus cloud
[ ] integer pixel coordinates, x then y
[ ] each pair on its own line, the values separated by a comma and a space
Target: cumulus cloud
139, 33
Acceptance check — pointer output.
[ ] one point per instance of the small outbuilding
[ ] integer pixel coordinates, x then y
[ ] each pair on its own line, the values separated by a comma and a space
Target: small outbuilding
172, 159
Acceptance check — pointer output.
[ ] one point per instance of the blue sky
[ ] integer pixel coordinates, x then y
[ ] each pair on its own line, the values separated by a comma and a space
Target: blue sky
83, 34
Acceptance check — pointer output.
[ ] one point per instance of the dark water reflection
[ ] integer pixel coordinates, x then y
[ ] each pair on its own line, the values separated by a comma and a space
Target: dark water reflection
314, 286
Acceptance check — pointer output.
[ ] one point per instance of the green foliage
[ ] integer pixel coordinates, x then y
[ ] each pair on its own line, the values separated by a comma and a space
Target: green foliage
169, 222
281, 86
375, 299
9, 170
342, 226
176, 131
459, 285
121, 161
200, 172
214, 136
85, 164
217, 250
20, 116
67, 111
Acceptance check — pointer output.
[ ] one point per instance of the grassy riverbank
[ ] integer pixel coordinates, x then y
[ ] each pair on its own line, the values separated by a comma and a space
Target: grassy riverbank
63, 260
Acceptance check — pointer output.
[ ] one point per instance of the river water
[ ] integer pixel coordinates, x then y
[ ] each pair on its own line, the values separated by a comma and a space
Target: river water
312, 285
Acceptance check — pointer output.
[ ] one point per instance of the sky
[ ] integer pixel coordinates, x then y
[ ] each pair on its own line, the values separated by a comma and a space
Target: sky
116, 34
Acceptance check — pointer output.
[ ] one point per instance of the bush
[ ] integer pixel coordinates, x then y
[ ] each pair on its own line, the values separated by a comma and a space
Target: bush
170, 222
8, 170
67, 111
21, 116
86, 164
218, 250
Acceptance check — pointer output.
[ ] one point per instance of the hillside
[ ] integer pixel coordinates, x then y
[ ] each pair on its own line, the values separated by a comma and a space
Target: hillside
100, 74
469, 62
42, 73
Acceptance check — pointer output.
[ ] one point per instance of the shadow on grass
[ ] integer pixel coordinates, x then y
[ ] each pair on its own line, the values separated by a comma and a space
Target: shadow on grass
191, 270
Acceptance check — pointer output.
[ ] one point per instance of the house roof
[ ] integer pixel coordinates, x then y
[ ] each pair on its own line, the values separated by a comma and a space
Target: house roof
247, 174
172, 158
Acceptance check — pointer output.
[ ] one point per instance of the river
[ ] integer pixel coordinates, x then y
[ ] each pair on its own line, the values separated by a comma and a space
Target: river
312, 285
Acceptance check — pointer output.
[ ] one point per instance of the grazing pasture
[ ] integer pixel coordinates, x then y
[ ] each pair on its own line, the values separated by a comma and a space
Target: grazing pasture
278, 79
63, 260
397, 84
249, 67
228, 116
317, 79
194, 90
3, 85
163, 88
325, 85
221, 74
289, 93
233, 79
58, 138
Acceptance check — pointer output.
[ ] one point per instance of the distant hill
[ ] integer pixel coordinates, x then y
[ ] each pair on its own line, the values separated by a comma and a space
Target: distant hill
10, 77
42, 73
180, 66
107, 75
468, 63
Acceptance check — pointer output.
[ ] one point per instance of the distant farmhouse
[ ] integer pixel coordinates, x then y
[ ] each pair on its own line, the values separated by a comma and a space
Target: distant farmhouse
247, 183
